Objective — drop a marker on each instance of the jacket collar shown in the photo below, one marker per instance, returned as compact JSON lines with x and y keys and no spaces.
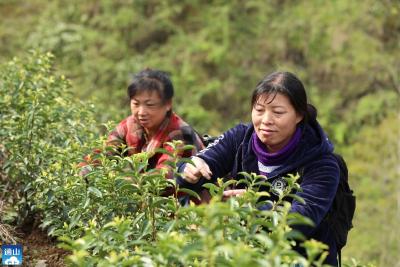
{"x":313,"y":144}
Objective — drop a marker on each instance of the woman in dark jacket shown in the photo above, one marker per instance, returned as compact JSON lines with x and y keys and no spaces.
{"x":284,"y":137}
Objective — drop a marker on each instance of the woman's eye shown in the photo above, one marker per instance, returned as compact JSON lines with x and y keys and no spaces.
{"x":151,"y":106}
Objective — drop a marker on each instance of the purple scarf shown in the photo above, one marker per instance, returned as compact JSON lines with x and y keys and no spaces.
{"x":277,"y":158}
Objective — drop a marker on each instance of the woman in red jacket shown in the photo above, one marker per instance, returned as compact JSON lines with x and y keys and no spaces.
{"x":153,"y":123}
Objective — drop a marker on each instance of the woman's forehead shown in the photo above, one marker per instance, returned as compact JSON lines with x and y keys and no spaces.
{"x":147,"y":95}
{"x":272,"y":98}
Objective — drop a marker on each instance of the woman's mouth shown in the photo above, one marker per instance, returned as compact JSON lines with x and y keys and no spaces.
{"x":267,"y":131}
{"x":143,"y":121}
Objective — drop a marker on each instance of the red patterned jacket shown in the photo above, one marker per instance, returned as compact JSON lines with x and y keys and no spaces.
{"x":132,"y":134}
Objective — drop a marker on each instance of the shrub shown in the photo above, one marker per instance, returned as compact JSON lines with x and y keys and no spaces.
{"x":42,"y":131}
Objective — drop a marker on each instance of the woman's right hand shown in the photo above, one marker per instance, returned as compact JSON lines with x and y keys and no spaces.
{"x":193,"y":172}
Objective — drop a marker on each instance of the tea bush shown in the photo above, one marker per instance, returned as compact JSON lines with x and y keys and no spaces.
{"x":231,"y":233}
{"x":42,"y":130}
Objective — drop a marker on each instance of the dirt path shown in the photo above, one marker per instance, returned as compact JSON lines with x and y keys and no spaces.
{"x":39,"y":250}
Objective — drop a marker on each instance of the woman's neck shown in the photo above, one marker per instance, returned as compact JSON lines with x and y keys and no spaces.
{"x":149,"y":133}
{"x":278,"y":157}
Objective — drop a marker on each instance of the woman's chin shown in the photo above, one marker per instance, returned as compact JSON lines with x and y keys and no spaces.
{"x":145,"y":124}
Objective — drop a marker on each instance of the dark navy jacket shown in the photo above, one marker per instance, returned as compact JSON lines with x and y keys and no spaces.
{"x":232,"y":153}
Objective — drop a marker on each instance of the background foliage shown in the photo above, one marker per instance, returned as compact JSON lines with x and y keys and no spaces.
{"x":346,"y":52}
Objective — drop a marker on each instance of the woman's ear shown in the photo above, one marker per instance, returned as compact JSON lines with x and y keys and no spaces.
{"x":168,"y":105}
{"x":299,"y":117}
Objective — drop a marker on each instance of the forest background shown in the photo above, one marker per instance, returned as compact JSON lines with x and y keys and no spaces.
{"x":347,"y":53}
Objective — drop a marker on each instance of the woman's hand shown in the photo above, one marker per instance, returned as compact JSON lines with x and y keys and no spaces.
{"x":193,"y":172}
{"x":233,"y":193}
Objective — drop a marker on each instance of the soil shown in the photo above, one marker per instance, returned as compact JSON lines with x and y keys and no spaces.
{"x":39,"y":250}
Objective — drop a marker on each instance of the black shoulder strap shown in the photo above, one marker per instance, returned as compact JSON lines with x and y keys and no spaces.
{"x":344,"y":172}
{"x":208,"y":139}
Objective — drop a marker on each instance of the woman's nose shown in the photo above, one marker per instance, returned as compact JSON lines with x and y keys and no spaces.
{"x":141,"y":110}
{"x":267,"y":118}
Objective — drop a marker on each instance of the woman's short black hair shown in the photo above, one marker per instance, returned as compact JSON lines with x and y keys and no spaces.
{"x":288,"y":84}
{"x":152,"y":80}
